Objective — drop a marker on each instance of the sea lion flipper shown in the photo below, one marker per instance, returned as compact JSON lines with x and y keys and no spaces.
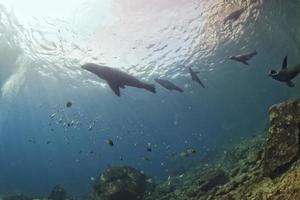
{"x":290,"y":83}
{"x":200,"y":82}
{"x":245,"y":62}
{"x":284,"y":64}
{"x":114,"y":87}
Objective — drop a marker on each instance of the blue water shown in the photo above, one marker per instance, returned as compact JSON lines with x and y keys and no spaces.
{"x":42,"y":46}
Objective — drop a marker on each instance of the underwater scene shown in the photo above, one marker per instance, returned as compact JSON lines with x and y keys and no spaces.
{"x":149,"y":99}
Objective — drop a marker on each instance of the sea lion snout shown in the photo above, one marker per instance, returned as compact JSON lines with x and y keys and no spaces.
{"x":272,"y":72}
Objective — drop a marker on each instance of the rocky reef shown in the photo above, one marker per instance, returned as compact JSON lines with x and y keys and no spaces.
{"x":57,"y":193}
{"x":265,"y":167}
{"x":262,"y":167}
{"x":120,"y":182}
{"x":16,"y":197}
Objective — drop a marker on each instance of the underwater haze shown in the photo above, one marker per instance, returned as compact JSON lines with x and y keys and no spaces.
{"x":58,"y":121}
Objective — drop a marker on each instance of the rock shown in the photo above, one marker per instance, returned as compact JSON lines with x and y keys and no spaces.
{"x":212,"y":179}
{"x":288,"y":187}
{"x":282,"y":145}
{"x":119,"y":183}
{"x":58,"y":193}
{"x":234,"y":171}
{"x":165,"y":188}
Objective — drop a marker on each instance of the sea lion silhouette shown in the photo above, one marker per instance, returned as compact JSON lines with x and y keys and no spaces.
{"x":117,"y":79}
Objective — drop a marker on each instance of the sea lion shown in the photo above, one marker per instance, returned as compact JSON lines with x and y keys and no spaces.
{"x":233,"y":16}
{"x":286,"y":74}
{"x":195,"y":77}
{"x":243,"y":58}
{"x":117,"y":79}
{"x":168,"y":85}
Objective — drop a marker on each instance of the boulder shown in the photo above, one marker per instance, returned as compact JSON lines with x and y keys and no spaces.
{"x":119,"y":183}
{"x":282,"y":144}
{"x":58,"y":193}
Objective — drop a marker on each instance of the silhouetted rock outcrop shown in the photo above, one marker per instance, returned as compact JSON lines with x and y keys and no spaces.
{"x":282,"y":145}
{"x":119,"y":183}
{"x":58,"y":193}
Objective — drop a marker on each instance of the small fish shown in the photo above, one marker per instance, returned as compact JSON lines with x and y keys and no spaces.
{"x":92,"y":179}
{"x":32,"y":141}
{"x":69,"y":104}
{"x":53,"y":115}
{"x":48,"y":142}
{"x":146,"y":158}
{"x":149,"y":180}
{"x":191,"y":151}
{"x":181,"y":176}
{"x":149,"y":149}
{"x":110,"y":142}
{"x":183,"y":154}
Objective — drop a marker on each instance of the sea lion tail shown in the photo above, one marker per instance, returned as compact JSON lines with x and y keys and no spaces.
{"x":290,"y":84}
{"x":179,"y":89}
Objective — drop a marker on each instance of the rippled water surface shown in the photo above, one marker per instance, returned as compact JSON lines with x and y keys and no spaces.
{"x":44,"y":43}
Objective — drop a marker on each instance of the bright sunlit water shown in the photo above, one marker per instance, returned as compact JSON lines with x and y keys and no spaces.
{"x":44,"y":43}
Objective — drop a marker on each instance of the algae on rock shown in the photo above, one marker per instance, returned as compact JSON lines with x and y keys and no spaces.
{"x":282,"y":145}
